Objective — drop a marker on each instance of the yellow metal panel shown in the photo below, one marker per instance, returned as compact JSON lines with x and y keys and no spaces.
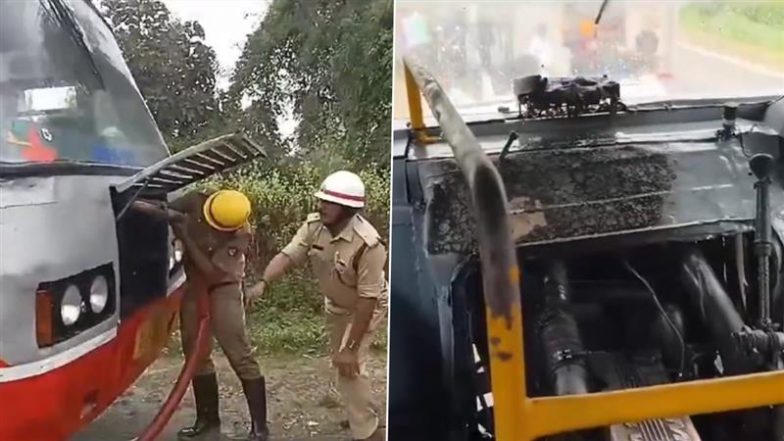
{"x":505,"y":338}
{"x":414,"y":102}
{"x":415,"y":109}
{"x":550,"y":415}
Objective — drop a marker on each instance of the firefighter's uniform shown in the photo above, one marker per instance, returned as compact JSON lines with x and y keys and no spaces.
{"x":348,"y":266}
{"x":225,"y":241}
{"x":227,"y":314}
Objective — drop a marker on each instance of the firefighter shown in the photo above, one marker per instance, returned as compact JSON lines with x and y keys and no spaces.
{"x":347,"y":257}
{"x":215,"y":234}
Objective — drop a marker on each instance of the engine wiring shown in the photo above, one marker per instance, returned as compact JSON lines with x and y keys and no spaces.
{"x":740,"y":140}
{"x":663,"y":313}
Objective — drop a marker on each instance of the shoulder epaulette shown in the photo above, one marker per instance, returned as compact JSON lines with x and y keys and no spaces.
{"x":367,"y":232}
{"x":313,"y":217}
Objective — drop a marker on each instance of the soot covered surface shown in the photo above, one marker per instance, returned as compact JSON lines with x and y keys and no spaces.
{"x":568,"y":193}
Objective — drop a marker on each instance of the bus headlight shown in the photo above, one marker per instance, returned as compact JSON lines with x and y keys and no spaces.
{"x":99,"y":294}
{"x":71,"y":305}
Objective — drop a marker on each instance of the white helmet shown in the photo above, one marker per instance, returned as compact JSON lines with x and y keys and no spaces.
{"x":343,"y":188}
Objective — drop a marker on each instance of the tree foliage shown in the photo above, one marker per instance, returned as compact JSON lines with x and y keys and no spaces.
{"x":329,"y":63}
{"x":173,"y":67}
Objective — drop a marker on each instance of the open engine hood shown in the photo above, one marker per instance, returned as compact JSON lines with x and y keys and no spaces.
{"x":191,"y":165}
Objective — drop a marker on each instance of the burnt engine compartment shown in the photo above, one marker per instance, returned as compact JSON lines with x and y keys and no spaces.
{"x":638,"y":316}
{"x":143,"y":243}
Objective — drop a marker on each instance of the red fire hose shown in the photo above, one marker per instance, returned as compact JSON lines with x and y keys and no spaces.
{"x":186,"y":374}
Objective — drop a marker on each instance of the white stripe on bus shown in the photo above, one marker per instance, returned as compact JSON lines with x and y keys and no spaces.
{"x":39,"y":367}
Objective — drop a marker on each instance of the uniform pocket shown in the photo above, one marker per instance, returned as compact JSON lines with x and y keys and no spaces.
{"x":342,"y":271}
{"x":320,"y":261}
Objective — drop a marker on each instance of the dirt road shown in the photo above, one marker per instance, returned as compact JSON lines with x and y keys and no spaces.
{"x":303,"y":401}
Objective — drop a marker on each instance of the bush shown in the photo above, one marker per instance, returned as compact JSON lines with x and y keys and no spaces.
{"x":754,"y":24}
{"x":766,"y":13}
{"x":274,"y":331}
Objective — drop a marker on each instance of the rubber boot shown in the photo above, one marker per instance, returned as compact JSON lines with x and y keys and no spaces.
{"x":256,"y":395}
{"x":205,"y":393}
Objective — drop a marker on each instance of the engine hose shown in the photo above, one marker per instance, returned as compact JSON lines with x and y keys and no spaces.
{"x":715,"y":308}
{"x":564,"y":350}
{"x":154,"y":429}
{"x":560,"y":337}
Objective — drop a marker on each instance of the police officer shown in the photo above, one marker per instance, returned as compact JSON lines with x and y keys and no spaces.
{"x":347,"y":257}
{"x":216,"y":236}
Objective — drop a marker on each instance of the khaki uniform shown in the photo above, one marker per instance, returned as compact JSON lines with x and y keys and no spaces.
{"x":348,"y":266}
{"x":227,"y":313}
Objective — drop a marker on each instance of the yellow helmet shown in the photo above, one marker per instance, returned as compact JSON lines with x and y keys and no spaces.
{"x":227,"y":210}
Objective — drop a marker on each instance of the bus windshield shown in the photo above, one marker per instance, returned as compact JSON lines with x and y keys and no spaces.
{"x":66,"y":94}
{"x":656,"y":51}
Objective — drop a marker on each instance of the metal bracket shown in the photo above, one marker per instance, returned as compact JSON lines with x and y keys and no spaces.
{"x":513,"y":136}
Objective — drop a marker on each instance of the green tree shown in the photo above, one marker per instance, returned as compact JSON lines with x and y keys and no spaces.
{"x":173,"y":67}
{"x":330,"y":63}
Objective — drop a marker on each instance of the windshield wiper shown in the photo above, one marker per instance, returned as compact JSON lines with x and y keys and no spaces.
{"x":63,"y":167}
{"x":601,"y":11}
{"x":64,"y":17}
